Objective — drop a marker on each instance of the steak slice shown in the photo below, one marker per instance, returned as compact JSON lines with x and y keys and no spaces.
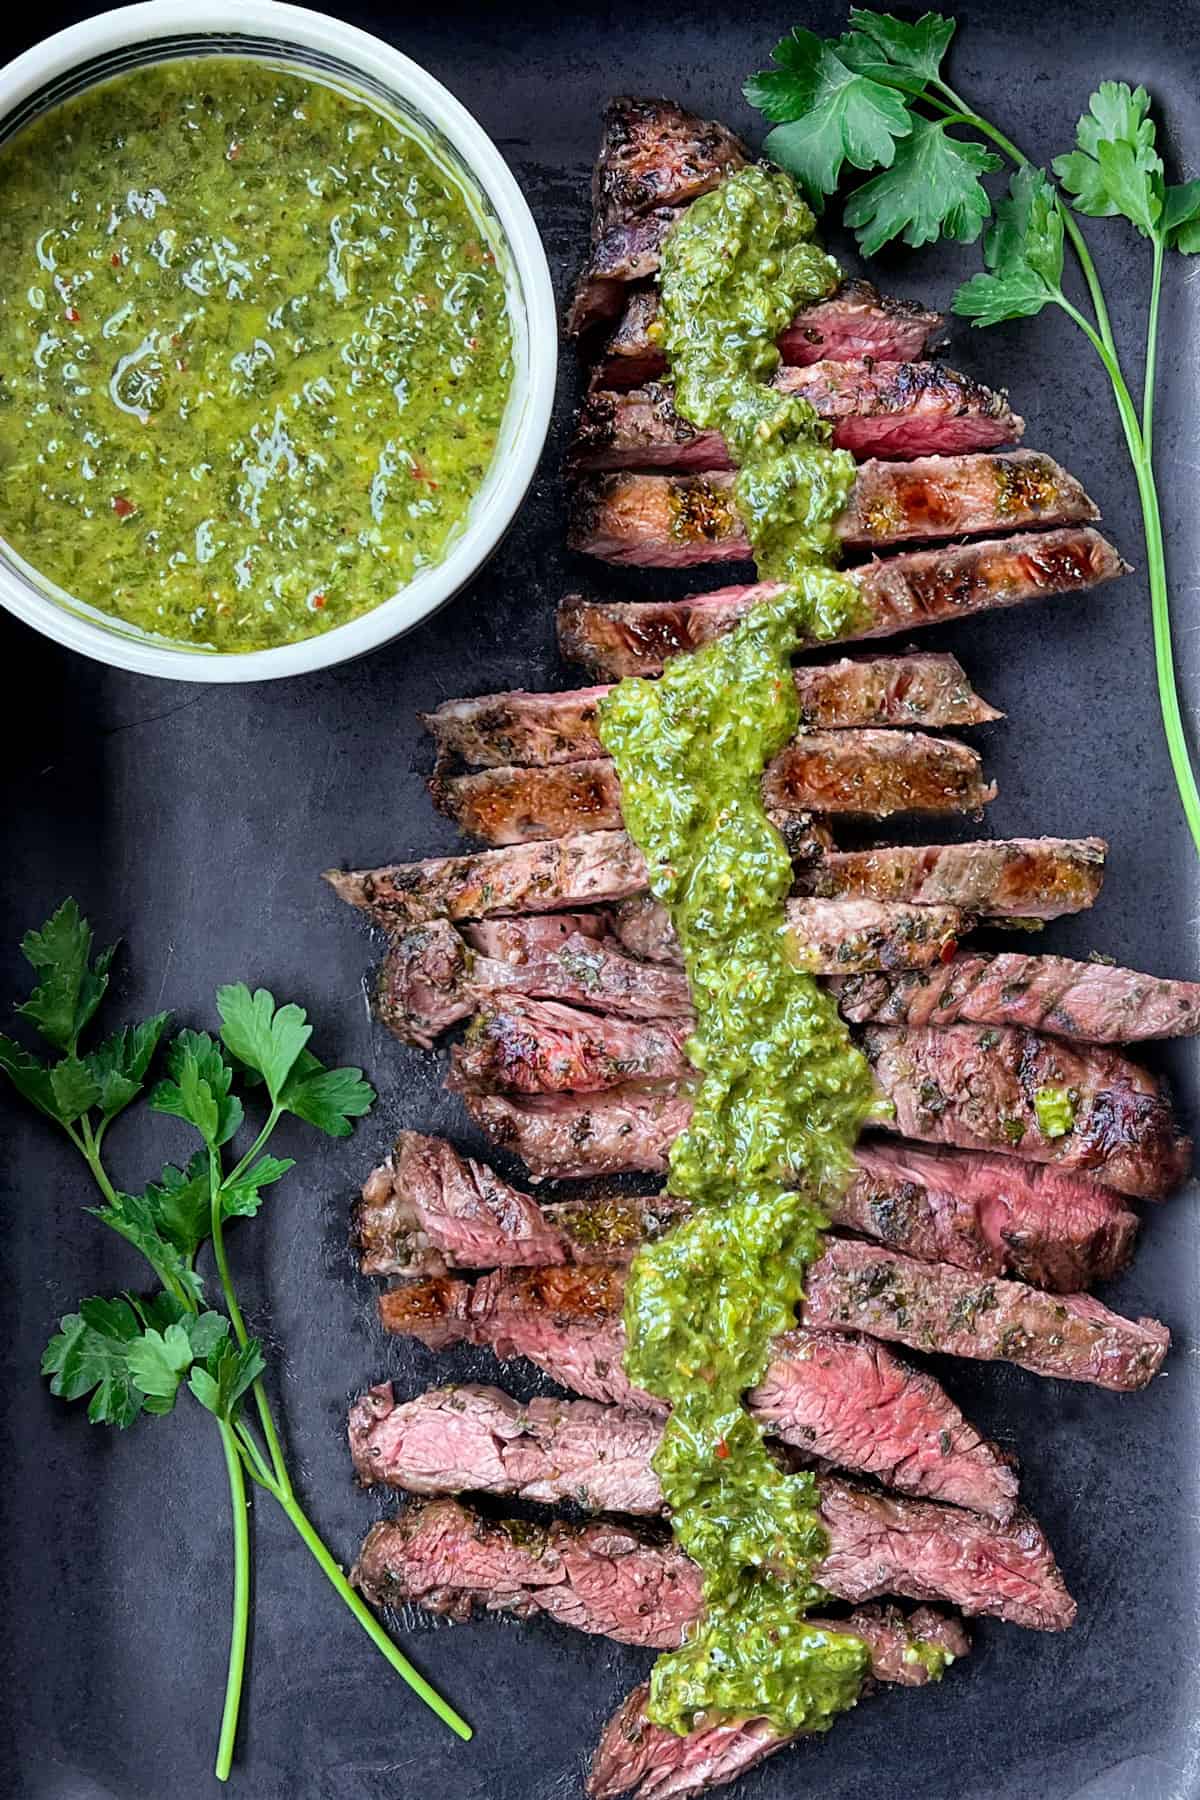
{"x":928,"y":1306}
{"x":977,"y":1087}
{"x":655,"y":153}
{"x":865,"y":772}
{"x":1092,"y":1001}
{"x":878,"y":1544}
{"x":559,"y":1136}
{"x":848,"y":1403}
{"x":654,"y":1763}
{"x":632,"y":1585}
{"x":930,"y":689}
{"x":435,"y":976}
{"x":612,"y":639}
{"x":855,"y":324}
{"x":543,"y":1047}
{"x":680,"y":521}
{"x":1019,"y":878}
{"x":989,"y":1215}
{"x":895,"y":410}
{"x":427,"y":1210}
{"x":625,"y":253}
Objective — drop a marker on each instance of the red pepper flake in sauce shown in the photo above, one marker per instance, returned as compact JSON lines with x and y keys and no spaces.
{"x":123,"y":507}
{"x":722,"y":1449}
{"x":318,"y":602}
{"x":71,"y":316}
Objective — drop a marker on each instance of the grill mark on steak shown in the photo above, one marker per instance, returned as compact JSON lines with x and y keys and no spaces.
{"x":1091,"y":1001}
{"x":434,"y":976}
{"x":544,"y":1047}
{"x":923,"y":689}
{"x":855,"y":324}
{"x":867,"y":772}
{"x":609,"y":1579}
{"x":842,"y":1401}
{"x":1024,"y":878}
{"x":893,"y":410}
{"x":427,"y":1210}
{"x":680,"y":521}
{"x":878,"y":1544}
{"x":927,"y":1306}
{"x":612,"y":639}
{"x":976,"y":1087}
{"x":654,"y":153}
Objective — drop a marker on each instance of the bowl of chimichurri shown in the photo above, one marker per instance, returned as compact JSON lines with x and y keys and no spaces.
{"x":277,"y":341}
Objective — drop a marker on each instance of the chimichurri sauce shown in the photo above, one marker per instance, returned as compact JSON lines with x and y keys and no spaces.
{"x":782,"y":1093}
{"x":254,"y":352}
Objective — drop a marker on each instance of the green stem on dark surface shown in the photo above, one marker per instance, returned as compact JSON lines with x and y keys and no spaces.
{"x":1152,"y":352}
{"x":240,"y":1627}
{"x":266,"y":1418}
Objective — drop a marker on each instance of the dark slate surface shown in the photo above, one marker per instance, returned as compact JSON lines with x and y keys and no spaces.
{"x":193,"y":822}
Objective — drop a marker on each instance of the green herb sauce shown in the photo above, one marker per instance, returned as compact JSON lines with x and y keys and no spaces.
{"x":782,"y":1093}
{"x":254,"y":352}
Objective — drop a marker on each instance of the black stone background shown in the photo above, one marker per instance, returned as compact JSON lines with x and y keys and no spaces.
{"x":193,"y":821}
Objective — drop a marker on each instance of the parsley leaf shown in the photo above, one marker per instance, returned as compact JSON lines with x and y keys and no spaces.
{"x":1023,"y":251}
{"x":1181,"y":217}
{"x":181,"y":1205}
{"x":827,"y":113}
{"x":226,"y":1375}
{"x":242,"y":1198}
{"x":326,"y":1098}
{"x":70,"y":987}
{"x":74,"y":1087}
{"x":157,"y":1363}
{"x":198,"y":1088}
{"x":120,"y":1063}
{"x":30,"y":1077}
{"x":90,"y":1355}
{"x":136,"y":1218}
{"x":932,"y":190}
{"x":900,"y":54}
{"x":266,"y":1040}
{"x":1116,"y":168}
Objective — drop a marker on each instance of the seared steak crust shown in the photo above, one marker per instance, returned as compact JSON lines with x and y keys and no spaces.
{"x":930,"y":689}
{"x":626,"y":252}
{"x":612,"y":639}
{"x":928,"y":1306}
{"x":1020,"y":878}
{"x":654,"y":153}
{"x":894,"y":410}
{"x":855,"y":324}
{"x":543,"y":1047}
{"x":1091,"y":1001}
{"x":866,"y":772}
{"x":560,"y":1136}
{"x":877,"y":1544}
{"x":977,"y":1087}
{"x":679,"y":521}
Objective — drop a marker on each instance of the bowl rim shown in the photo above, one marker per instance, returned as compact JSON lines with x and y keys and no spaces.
{"x":534,"y":386}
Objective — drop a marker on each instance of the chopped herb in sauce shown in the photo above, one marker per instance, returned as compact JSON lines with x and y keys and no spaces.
{"x":1055,"y":1108}
{"x":254,"y":352}
{"x":782,"y":1092}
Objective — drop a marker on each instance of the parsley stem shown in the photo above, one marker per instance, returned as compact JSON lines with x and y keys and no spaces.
{"x":241,"y":1604}
{"x":221,"y":1257}
{"x":370,"y":1623}
{"x":1151,"y":369}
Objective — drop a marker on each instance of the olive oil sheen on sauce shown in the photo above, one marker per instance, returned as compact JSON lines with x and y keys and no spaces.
{"x":254,"y":352}
{"x":781,"y":1091}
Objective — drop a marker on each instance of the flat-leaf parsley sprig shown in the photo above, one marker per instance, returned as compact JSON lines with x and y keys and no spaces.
{"x":131,"y":1354}
{"x":875,"y":99}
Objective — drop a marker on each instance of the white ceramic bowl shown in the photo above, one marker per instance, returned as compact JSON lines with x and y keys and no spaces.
{"x":159,"y":29}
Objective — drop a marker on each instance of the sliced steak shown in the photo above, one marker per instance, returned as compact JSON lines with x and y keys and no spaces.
{"x":625,"y":253}
{"x":929,"y":689}
{"x":559,"y":1136}
{"x":846,"y":1402}
{"x":528,"y":1046}
{"x":878,"y":1544}
{"x":427,"y":1210}
{"x":628,"y":1584}
{"x":1092,"y":1001}
{"x":655,"y":153}
{"x":612,"y":639}
{"x":855,"y":324}
{"x":681,"y":521}
{"x":434,"y":977}
{"x":650,"y":1761}
{"x":581,"y":871}
{"x":1019,"y":878}
{"x":929,"y":1306}
{"x":452,"y":1439}
{"x":894,"y":410}
{"x":990,"y":1215}
{"x":865,"y":772}
{"x":978,"y":1087}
